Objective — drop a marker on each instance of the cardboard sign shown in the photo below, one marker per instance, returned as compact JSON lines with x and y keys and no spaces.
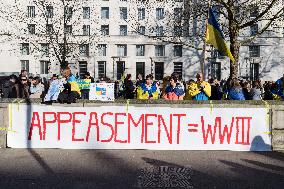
{"x":102,"y":91}
{"x":123,"y":127}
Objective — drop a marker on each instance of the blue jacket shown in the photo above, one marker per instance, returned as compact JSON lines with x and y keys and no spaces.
{"x":279,"y":90}
{"x":236,"y":94}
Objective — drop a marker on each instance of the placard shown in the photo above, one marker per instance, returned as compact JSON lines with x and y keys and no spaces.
{"x":102,"y":91}
{"x":134,"y":127}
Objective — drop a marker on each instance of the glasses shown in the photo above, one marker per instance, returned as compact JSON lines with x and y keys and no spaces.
{"x":24,"y":79}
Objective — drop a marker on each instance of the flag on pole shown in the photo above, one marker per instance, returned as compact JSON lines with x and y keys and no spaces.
{"x":215,"y":36}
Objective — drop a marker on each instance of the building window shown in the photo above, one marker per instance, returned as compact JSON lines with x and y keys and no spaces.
{"x":254,"y":71}
{"x":123,"y":30}
{"x":31,"y":28}
{"x":68,"y":12}
{"x":140,"y":50}
{"x":49,"y":11}
{"x":123,"y":13}
{"x":159,"y":70}
{"x":159,"y":13}
{"x":121,"y":50}
{"x":141,"y":13}
{"x":178,"y":68}
{"x":44,"y":67}
{"x":83,"y":68}
{"x":216,"y":70}
{"x":31,"y":11}
{"x":254,"y":51}
{"x":65,"y":48}
{"x":254,"y":12}
{"x":141,"y":30}
{"x":84,"y":50}
{"x":217,"y":54}
{"x":44,"y":50}
{"x":102,"y":49}
{"x":177,"y":14}
{"x":140,"y":69}
{"x":86,"y":12}
{"x":159,"y":31}
{"x":86,"y":30}
{"x":25,"y":49}
{"x":68,"y":29}
{"x":105,"y":29}
{"x":178,"y":50}
{"x":25,"y":65}
{"x":49,"y":28}
{"x":102,"y":69}
{"x":105,"y":12}
{"x":177,"y":31}
{"x":159,"y":50}
{"x":253,"y":29}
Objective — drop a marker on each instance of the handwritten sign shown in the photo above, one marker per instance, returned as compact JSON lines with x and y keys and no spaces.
{"x":118,"y":127}
{"x":102,"y":91}
{"x":84,"y":83}
{"x":55,"y":88}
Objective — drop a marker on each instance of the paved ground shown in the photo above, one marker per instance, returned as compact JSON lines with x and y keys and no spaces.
{"x":139,"y":169}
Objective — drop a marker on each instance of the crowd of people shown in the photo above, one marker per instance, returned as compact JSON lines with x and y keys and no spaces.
{"x":171,"y":88}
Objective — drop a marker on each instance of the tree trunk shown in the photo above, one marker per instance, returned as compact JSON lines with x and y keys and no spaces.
{"x":234,"y":66}
{"x":234,"y":48}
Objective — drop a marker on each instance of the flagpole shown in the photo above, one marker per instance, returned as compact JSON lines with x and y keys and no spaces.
{"x":204,"y":45}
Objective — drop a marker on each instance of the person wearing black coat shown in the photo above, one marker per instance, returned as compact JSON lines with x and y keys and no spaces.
{"x":129,"y":88}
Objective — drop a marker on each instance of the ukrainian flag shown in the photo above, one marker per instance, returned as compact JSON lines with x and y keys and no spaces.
{"x":215,"y":37}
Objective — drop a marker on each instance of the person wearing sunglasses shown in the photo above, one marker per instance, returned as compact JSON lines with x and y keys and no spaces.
{"x":24,"y":87}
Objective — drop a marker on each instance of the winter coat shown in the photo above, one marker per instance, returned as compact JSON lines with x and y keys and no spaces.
{"x":174,"y":93}
{"x":255,"y":94}
{"x":236,"y":93}
{"x":129,"y":89}
{"x":36,"y":90}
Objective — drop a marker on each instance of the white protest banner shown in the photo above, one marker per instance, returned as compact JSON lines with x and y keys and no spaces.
{"x":55,"y":88}
{"x":121,"y":127}
{"x":102,"y":91}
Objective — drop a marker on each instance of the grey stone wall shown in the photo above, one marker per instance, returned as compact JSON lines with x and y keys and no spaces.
{"x":276,"y":109}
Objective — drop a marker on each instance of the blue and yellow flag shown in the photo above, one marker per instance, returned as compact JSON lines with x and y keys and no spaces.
{"x":215,"y":37}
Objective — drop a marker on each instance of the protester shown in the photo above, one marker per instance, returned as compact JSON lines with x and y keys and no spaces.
{"x":174,"y":91}
{"x":246,"y":89}
{"x":36,"y":88}
{"x":148,"y":89}
{"x":165,"y":84}
{"x":216,"y":90}
{"x":129,"y":90}
{"x":88,"y":76}
{"x":236,"y":91}
{"x":71,"y":90}
{"x":255,"y":91}
{"x":139,"y":80}
{"x":278,"y":91}
{"x":24,"y":88}
{"x":199,"y":90}
{"x":24,"y":73}
{"x":85,"y":92}
{"x":13,"y":90}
